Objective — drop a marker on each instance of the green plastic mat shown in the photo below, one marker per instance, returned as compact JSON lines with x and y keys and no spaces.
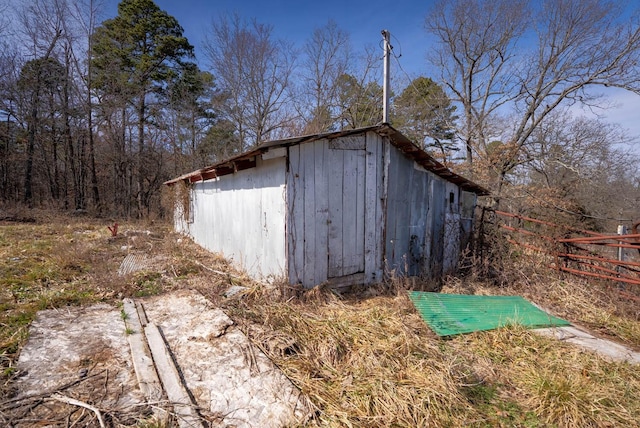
{"x":449,"y":314}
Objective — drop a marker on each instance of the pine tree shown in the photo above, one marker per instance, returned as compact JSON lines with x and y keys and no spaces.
{"x":135,"y":55}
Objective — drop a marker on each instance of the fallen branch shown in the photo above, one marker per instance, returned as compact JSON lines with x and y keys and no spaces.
{"x":217,"y":271}
{"x":79,"y":403}
{"x":16,"y":402}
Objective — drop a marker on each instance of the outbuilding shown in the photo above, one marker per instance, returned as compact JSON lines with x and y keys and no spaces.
{"x":341,"y":208}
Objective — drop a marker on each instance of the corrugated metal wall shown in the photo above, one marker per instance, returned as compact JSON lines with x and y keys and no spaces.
{"x":242,"y":216}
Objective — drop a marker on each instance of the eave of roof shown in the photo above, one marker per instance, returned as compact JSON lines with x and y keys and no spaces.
{"x":405,"y":145}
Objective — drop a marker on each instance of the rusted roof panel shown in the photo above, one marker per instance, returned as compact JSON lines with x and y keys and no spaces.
{"x":422,"y":158}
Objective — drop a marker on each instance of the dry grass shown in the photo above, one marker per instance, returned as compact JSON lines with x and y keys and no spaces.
{"x":373,"y":362}
{"x":363,"y":360}
{"x":363,"y":363}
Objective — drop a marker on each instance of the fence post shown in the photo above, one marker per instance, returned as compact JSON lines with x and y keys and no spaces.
{"x":622,"y":230}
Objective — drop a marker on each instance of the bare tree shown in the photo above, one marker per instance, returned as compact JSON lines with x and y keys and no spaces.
{"x":360,"y":94}
{"x":580,"y":44}
{"x":477,"y":41}
{"x":327,"y":57}
{"x":42,"y":27}
{"x":572,"y":165}
{"x":85,"y":14}
{"x":254,"y":70}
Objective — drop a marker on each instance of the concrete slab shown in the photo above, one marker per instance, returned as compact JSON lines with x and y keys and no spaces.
{"x":607,"y":348}
{"x":81,"y":346}
{"x":226,"y":374}
{"x":232,"y":382}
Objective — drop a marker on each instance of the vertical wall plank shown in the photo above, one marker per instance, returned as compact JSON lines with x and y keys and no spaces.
{"x":391,"y":208}
{"x":385,"y":152}
{"x":295,"y":206}
{"x":437,"y":227}
{"x":307,"y":153}
{"x":428,"y":200}
{"x":452,"y":226}
{"x":349,"y":210}
{"x":321,"y":211}
{"x":360,"y":158}
{"x":336,"y":174}
{"x":371,"y":225}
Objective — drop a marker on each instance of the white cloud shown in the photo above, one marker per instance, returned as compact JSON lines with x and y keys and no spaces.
{"x":623,"y":109}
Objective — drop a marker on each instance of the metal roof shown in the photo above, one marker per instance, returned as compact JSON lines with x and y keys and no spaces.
{"x":247,"y":159}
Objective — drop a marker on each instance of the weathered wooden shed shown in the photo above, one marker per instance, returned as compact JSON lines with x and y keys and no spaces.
{"x":342,"y":207}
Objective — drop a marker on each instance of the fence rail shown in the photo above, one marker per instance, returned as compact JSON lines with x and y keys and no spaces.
{"x":578,"y":251}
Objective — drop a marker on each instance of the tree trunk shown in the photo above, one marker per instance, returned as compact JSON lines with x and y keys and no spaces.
{"x":95,"y":194}
{"x":140,"y":190}
{"x":78,"y":194}
{"x":31,"y":142}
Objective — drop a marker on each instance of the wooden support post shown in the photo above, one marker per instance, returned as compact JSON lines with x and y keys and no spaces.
{"x":622,"y":230}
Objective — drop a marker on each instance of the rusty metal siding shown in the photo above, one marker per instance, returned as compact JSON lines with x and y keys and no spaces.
{"x":242,"y":216}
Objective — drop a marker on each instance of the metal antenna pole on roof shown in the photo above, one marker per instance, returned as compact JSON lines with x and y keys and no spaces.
{"x":385,"y":86}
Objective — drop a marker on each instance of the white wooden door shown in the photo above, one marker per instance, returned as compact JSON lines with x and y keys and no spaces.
{"x":346,"y":158}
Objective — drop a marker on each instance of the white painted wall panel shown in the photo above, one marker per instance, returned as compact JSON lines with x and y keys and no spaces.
{"x":321,"y":210}
{"x":242,"y":216}
{"x":295,"y":217}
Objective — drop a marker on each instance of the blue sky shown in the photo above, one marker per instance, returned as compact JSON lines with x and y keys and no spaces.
{"x":296,"y":20}
{"x":363,"y":20}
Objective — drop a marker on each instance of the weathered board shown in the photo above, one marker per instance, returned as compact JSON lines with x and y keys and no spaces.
{"x":422,"y":220}
{"x":452,"y":228}
{"x":334,"y":210}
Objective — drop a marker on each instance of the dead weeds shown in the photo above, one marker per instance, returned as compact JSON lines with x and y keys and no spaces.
{"x":363,"y":360}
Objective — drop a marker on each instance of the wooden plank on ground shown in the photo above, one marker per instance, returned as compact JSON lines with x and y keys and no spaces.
{"x":179,"y":398}
{"x":148,"y":380}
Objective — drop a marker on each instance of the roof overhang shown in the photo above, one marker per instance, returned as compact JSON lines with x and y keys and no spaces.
{"x":248,"y":159}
